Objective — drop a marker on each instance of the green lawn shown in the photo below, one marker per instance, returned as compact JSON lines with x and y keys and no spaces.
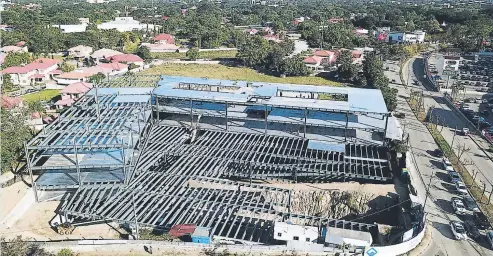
{"x":231,"y":73}
{"x":205,"y":55}
{"x":46,"y":95}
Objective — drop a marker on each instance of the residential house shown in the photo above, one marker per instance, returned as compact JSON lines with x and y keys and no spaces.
{"x":298,"y":20}
{"x":80,"y":51}
{"x":13,"y":49}
{"x":37,"y":71}
{"x":336,"y":20}
{"x":76,"y":90}
{"x":320,"y":60}
{"x":164,"y":39}
{"x":163,"y":48}
{"x":35,"y":121}
{"x":102,"y":54}
{"x":112,"y":68}
{"x":68,"y":78}
{"x":127,"y":58}
{"x":82,"y":75}
{"x":126,"y":24}
{"x":66,"y":101}
{"x":274,"y":38}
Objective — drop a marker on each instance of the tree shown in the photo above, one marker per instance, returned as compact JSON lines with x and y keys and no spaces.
{"x":97,"y":78}
{"x":144,"y":53}
{"x":65,"y":252}
{"x":67,"y":67}
{"x":294,"y":66}
{"x":193,"y":54}
{"x":13,"y":134}
{"x":347,"y":70}
{"x":254,"y":52}
{"x":35,"y":106}
{"x":19,"y":247}
{"x":16,"y":59}
{"x":7,"y":84}
{"x":133,"y":66}
{"x":462,"y":149}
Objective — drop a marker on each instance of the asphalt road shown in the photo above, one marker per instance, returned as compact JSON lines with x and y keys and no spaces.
{"x":475,"y":159}
{"x":441,"y":191}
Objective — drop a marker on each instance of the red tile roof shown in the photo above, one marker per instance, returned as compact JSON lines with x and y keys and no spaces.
{"x":125,"y":58}
{"x":313,"y":59}
{"x":324,"y":53}
{"x":163,"y":36}
{"x":113,"y":66}
{"x":20,"y":44}
{"x":77,"y":88}
{"x":65,"y":102}
{"x":182,"y":229}
{"x":35,"y":115}
{"x":38,"y":64}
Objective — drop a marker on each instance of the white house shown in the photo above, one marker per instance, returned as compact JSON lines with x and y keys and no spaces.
{"x":162,"y":48}
{"x":404,"y":37}
{"x":37,"y":71}
{"x":80,"y":51}
{"x":101,"y":54}
{"x":124,"y":24}
{"x":71,"y":28}
{"x":289,"y":232}
{"x":13,"y":49}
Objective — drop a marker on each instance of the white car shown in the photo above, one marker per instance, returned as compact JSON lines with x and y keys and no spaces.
{"x":458,"y":230}
{"x":446,"y":162}
{"x":458,"y":206}
{"x":465,"y":131}
{"x":461,"y":187}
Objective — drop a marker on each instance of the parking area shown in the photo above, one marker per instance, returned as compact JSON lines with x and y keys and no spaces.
{"x":476,"y":74}
{"x":479,"y":110}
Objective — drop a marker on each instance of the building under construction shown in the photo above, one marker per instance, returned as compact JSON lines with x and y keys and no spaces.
{"x":191,"y":151}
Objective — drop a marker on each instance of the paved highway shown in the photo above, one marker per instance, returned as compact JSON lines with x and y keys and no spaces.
{"x":441,"y":191}
{"x":475,"y":159}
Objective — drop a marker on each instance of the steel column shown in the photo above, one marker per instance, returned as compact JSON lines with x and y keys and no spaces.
{"x":226,"y":116}
{"x":304,"y":123}
{"x":266,"y":113}
{"x":191,"y":113}
{"x":386,"y":126}
{"x":347,"y":124}
{"x":33,"y":184}
{"x":77,"y":164}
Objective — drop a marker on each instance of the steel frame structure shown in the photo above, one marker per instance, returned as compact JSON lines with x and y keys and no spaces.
{"x":91,"y":126}
{"x":185,"y":174}
{"x":178,"y":181}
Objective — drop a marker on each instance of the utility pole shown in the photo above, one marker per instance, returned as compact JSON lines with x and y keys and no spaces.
{"x":428,"y":187}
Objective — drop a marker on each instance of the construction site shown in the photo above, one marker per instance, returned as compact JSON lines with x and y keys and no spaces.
{"x":237,"y":158}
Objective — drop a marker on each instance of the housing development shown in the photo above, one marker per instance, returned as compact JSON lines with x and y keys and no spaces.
{"x":246,"y":128}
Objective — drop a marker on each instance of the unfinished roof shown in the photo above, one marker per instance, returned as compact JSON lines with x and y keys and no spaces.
{"x":358,"y":100}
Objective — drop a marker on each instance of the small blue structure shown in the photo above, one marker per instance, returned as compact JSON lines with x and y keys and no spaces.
{"x":202,"y":235}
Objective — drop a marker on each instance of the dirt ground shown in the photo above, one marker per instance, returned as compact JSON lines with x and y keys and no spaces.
{"x":10,"y":196}
{"x":375,"y":189}
{"x":35,"y":224}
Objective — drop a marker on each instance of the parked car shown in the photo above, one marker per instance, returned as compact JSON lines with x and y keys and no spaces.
{"x":458,"y":230}
{"x":446,"y":162}
{"x":458,"y":206}
{"x":481,"y":220}
{"x":438,"y":153}
{"x":465,"y":131}
{"x":461,"y":187}
{"x":472,"y":230}
{"x":470,"y":203}
{"x":485,"y":112}
{"x":454,"y":176}
{"x":489,"y":239}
